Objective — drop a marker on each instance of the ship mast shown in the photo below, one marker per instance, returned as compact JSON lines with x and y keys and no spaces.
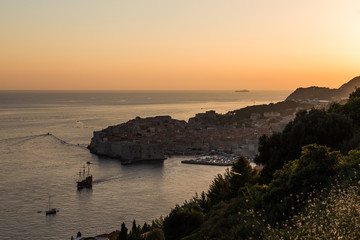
{"x":88,"y":172}
{"x":49,"y":202}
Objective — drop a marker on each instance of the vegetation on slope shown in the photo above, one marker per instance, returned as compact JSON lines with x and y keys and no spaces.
{"x":323,"y":93}
{"x":308,"y":188}
{"x":306,"y":167}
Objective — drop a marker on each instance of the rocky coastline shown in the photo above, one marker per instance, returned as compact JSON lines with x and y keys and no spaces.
{"x":154,"y":138}
{"x":235,"y":132}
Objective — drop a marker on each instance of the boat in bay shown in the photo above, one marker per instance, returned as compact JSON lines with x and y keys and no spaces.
{"x":50,"y":210}
{"x":85,"y":178}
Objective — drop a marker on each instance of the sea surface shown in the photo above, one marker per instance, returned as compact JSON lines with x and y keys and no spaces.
{"x":35,"y":165}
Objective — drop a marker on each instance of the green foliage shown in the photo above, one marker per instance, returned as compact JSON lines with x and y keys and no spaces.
{"x":155,"y":234}
{"x":123,"y":232}
{"x":316,"y":126}
{"x":278,"y":210}
{"x":135,"y":232}
{"x":201,"y":203}
{"x":181,"y":222}
{"x":157,"y":223}
{"x":224,"y":187}
{"x":272,"y":156}
{"x":355,"y":94}
{"x":145,"y":228}
{"x":352,"y":109}
{"x":241,"y":174}
{"x":299,"y":164}
{"x":267,"y":211}
{"x":332,"y":214}
{"x":296,"y":179}
{"x":219,"y":189}
{"x":307,"y":190}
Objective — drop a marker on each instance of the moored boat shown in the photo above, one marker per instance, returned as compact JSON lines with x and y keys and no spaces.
{"x":50,"y":210}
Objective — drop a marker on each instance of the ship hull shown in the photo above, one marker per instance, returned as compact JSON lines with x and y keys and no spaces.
{"x":86,"y":183}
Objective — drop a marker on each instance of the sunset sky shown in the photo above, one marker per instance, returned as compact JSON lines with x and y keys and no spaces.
{"x":178,"y":44}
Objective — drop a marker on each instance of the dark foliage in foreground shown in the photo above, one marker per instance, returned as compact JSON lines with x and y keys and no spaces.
{"x":337,"y":128}
{"x":301,"y":164}
{"x":310,"y":174}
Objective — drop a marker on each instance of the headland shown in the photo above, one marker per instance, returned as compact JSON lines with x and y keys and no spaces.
{"x":235,"y":132}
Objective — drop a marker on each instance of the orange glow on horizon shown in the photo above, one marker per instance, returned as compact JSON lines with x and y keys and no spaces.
{"x":190,"y":46}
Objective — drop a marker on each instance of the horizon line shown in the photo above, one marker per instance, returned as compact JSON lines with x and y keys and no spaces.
{"x":142,"y":90}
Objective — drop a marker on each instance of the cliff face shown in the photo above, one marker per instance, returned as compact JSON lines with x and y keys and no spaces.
{"x":322,"y":93}
{"x":132,"y":141}
{"x":127,"y":152}
{"x":152,"y":138}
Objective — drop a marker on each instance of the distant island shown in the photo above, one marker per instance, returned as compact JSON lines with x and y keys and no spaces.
{"x":243,"y":90}
{"x":235,"y":132}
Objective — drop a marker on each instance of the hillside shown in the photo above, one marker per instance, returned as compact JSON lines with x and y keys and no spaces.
{"x":349,"y":87}
{"x":307,"y":190}
{"x":323,"y":93}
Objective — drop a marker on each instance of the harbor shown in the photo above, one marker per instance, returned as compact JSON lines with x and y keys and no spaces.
{"x":215,"y":160}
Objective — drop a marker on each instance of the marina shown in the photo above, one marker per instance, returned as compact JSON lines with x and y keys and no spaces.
{"x":215,"y":160}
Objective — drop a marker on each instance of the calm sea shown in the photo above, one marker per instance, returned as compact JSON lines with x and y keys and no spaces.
{"x":34,"y":165}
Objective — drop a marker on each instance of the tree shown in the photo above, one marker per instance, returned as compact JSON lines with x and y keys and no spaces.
{"x":158,"y":223}
{"x":241,"y":174}
{"x":123,"y":232}
{"x":201,"y":201}
{"x":219,"y":189}
{"x":181,"y":222}
{"x":145,"y":228}
{"x":135,"y":231}
{"x":155,"y":234}
{"x":355,"y":94}
{"x":291,"y":184}
{"x":331,"y":129}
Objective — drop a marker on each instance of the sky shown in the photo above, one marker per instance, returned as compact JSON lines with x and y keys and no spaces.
{"x":178,"y":44}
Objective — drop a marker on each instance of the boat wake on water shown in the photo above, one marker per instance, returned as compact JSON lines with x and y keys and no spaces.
{"x":25,"y":138}
{"x":97,"y":181}
{"x":31,"y":137}
{"x":64,"y":142}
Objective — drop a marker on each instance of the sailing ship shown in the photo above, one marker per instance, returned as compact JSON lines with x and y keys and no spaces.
{"x":50,"y":210}
{"x":85,"y":179}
